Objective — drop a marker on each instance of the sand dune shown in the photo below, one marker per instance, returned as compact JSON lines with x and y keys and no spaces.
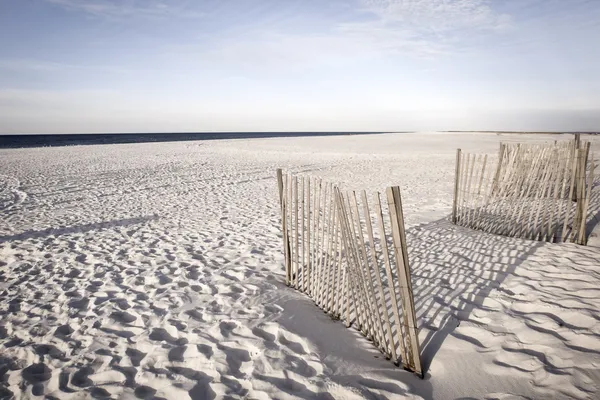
{"x":155,"y":270}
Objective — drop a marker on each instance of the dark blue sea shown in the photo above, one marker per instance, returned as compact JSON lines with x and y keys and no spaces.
{"x":43,"y":140}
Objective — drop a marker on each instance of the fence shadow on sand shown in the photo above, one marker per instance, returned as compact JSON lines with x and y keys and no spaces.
{"x":454,"y":269}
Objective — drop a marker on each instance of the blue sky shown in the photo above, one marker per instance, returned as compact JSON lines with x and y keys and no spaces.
{"x":248,"y":65}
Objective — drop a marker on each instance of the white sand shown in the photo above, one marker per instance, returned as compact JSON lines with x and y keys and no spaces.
{"x":156,"y":269}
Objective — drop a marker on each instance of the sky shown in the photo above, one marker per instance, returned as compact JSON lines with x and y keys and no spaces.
{"x":85,"y":66}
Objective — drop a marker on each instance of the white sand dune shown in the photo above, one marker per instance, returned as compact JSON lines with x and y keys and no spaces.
{"x":155,"y":270}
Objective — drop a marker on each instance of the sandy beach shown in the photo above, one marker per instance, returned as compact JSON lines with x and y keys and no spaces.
{"x":155,"y":270}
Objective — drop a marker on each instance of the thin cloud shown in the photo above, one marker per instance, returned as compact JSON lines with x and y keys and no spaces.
{"x":439,"y":15}
{"x":120,"y":9}
{"x":393,"y":40}
{"x":385,"y":28}
{"x":51,"y":66}
{"x":346,"y":45}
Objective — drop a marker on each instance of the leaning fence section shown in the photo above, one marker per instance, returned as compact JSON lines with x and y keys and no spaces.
{"x":538,"y":192}
{"x":348,"y":253}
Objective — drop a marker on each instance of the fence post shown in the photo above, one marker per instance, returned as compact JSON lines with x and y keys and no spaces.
{"x":583,"y":232}
{"x":403,"y":270}
{"x":390,"y":279}
{"x":577,"y":144}
{"x":575,"y":153}
{"x":456,"y":182}
{"x":582,"y":204}
{"x":282,"y":204}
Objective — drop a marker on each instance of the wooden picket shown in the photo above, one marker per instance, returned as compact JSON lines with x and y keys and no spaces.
{"x":538,"y":191}
{"x":355,"y":273}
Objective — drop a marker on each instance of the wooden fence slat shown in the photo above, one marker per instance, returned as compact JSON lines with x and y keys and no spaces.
{"x":347,"y":284}
{"x":478,"y":198}
{"x":333,"y":293}
{"x":483,"y":209}
{"x":352,"y":307}
{"x":321,"y":223}
{"x":470,"y":198}
{"x":327,"y":263}
{"x":464,"y":194}
{"x":582,"y":233}
{"x":359,"y":305}
{"x":378,"y":328}
{"x":282,"y":204}
{"x":389,"y":346}
{"x":539,"y":196}
{"x":403,"y":270}
{"x":581,"y":203}
{"x":501,"y":154}
{"x":580,"y":189}
{"x":390,"y":279}
{"x":302,"y":237}
{"x":511,"y":190}
{"x":337,"y":289}
{"x":564,"y":235}
{"x":527,"y":195}
{"x":327,"y":247}
{"x":290,"y":228}
{"x":331,"y":248}
{"x":517,"y":196}
{"x":294,"y":203}
{"x":327,"y":257}
{"x":363,"y":262}
{"x":558,"y":174}
{"x":317,"y":218}
{"x":456,"y":185}
{"x":562,"y":195}
{"x":366,"y":306}
{"x":322,"y":249}
{"x":306,"y":283}
{"x":577,"y":145}
{"x":548,"y":198}
{"x":524,"y":195}
{"x":323,"y":252}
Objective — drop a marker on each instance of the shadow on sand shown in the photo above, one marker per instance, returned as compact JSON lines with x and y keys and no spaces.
{"x":454,"y":269}
{"x":78,"y":228}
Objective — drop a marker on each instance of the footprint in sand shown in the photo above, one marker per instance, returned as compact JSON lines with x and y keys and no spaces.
{"x":81,"y":377}
{"x":36,"y":373}
{"x":197,"y":315}
{"x":144,"y":392}
{"x":124,"y":317}
{"x":267,"y":331}
{"x":293,"y":342}
{"x":182,"y":327}
{"x":301,"y":366}
{"x":135,"y":356}
{"x":239,"y":357}
{"x":177,"y":354}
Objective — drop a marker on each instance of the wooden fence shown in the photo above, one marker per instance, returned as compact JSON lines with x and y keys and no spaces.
{"x":351,"y":259}
{"x":538,"y":192}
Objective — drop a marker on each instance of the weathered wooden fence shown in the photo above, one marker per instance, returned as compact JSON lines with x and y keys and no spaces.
{"x":538,"y":192}
{"x":351,"y":259}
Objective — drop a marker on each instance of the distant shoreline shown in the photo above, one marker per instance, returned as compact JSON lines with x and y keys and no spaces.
{"x":11,"y":141}
{"x":529,"y":133}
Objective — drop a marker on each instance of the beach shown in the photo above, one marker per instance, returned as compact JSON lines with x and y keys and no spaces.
{"x":156,"y":270}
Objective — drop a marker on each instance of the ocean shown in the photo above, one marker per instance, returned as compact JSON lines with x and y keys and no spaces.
{"x":44,"y":140}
